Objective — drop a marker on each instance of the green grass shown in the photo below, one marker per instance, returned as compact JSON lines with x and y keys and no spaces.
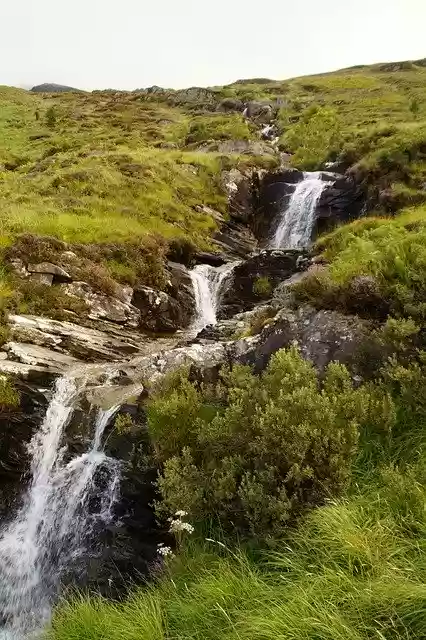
{"x":355,"y":569}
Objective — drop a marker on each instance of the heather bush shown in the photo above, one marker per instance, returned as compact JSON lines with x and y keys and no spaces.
{"x":254,"y":452}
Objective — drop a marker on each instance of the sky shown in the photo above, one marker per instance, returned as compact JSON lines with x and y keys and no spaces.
{"x":128,"y":44}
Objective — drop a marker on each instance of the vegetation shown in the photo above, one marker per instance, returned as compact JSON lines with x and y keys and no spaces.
{"x":353,"y":568}
{"x":9,"y":397}
{"x":310,"y":489}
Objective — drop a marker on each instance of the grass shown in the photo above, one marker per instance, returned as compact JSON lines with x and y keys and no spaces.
{"x":355,"y":569}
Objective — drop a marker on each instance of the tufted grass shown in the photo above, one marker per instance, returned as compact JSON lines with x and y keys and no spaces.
{"x":355,"y":569}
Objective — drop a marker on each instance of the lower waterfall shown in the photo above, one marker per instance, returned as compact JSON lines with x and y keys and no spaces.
{"x":209,"y":285}
{"x":54,"y":523}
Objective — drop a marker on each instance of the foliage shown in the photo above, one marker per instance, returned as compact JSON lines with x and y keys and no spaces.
{"x":218,"y":127}
{"x":262,"y":286}
{"x":354,"y":569}
{"x":9,"y":397}
{"x":257,"y":452}
{"x":314,"y":138}
{"x":391,"y":251}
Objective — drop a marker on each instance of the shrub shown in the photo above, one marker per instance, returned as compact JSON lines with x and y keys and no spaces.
{"x":262,"y":287}
{"x":253,"y":452}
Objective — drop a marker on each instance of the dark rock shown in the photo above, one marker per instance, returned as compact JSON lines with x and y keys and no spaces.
{"x":51,"y":87}
{"x":235,"y":240}
{"x":272,"y":194}
{"x":323,"y":337}
{"x":181,"y":290}
{"x":158,"y":311}
{"x":255,"y":279}
{"x":260,"y":112}
{"x":213,"y":259}
{"x":341,"y":201}
{"x":230,"y":104}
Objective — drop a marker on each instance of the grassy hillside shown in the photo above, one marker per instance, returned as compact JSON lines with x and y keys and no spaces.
{"x":328,"y":520}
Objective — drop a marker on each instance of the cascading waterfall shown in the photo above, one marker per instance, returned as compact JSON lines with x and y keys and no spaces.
{"x":209,"y":285}
{"x":295,"y":227}
{"x":53,"y":525}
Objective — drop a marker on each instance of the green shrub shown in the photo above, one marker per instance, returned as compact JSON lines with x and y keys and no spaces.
{"x":255,"y":452}
{"x":262,"y":287}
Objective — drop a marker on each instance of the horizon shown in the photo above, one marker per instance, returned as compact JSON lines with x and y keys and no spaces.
{"x":212,"y":86}
{"x":100,"y":45}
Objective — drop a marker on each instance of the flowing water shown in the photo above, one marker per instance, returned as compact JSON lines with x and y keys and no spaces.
{"x":52,"y":527}
{"x":297,"y":221}
{"x":209,"y":286}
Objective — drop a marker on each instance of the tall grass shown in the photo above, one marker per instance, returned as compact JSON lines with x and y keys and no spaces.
{"x":355,"y":569}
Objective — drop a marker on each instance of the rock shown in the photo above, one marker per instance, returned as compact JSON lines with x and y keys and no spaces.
{"x":80,"y":342}
{"x":261,"y":112}
{"x":158,"y":311}
{"x":238,"y":147}
{"x":273,"y":193}
{"x":364,"y":297}
{"x":47,"y":268}
{"x":342,"y":201}
{"x":255,"y":279}
{"x":38,"y":356}
{"x":235,"y":241}
{"x":230,"y":104}
{"x":42,"y":278}
{"x":238,"y":186}
{"x":103,"y":307}
{"x":323,"y":337}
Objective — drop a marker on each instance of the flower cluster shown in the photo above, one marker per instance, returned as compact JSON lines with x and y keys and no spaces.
{"x":179,"y":525}
{"x":164,"y":551}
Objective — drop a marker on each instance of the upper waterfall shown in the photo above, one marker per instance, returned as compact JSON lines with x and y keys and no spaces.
{"x":54,"y":522}
{"x":297,"y":220}
{"x":209,"y":283}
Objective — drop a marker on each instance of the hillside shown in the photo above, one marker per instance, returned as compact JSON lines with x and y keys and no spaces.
{"x":259,"y":402}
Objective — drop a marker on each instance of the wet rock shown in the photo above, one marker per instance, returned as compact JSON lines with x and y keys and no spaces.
{"x":181,"y":289}
{"x":255,"y":279}
{"x":158,"y":311}
{"x":341,"y":201}
{"x":38,"y":356}
{"x":235,"y":241}
{"x":103,"y":307}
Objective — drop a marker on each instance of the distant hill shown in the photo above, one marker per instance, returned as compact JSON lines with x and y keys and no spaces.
{"x":50,"y":87}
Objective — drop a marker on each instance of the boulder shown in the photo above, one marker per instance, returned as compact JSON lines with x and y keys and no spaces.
{"x":235,"y":241}
{"x":158,"y":311}
{"x":103,"y":307}
{"x":255,"y":279}
{"x":260,"y":112}
{"x":181,"y":289}
{"x":230,"y":104}
{"x":56,"y":273}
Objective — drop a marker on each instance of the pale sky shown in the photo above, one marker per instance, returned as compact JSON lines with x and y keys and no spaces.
{"x":128,"y":44}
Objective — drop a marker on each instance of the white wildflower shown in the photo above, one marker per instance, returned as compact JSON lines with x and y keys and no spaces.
{"x":181,"y":514}
{"x":165,"y":551}
{"x":179,"y":525}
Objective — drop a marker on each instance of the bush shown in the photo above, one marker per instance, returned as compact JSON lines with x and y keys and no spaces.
{"x":253,"y":453}
{"x":262,"y":287}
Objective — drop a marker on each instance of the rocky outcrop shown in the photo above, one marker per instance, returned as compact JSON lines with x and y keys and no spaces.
{"x":255,"y":279}
{"x":341,"y":201}
{"x":103,"y":307}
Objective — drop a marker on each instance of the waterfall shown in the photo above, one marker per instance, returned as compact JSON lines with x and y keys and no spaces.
{"x":297,"y":220}
{"x":54,"y":523}
{"x":209,"y":285}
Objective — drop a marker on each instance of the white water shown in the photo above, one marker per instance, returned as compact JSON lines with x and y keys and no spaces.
{"x":295,"y":227}
{"x":209,"y":286}
{"x":54,"y":523}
